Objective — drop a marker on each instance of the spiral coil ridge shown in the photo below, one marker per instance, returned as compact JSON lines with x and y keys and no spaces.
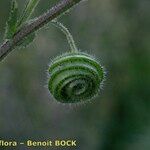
{"x":75,"y":77}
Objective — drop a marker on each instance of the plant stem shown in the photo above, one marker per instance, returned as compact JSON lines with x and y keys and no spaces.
{"x":27,"y":12}
{"x":36,"y":24}
{"x":67,"y":33}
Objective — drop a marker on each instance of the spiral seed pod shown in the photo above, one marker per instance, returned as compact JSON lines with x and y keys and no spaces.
{"x":75,"y":77}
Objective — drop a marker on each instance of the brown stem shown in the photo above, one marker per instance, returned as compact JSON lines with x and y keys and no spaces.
{"x":51,"y":14}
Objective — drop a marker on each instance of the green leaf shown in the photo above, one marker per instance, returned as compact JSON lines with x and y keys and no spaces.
{"x":11,"y":25}
{"x":27,"y":40}
{"x":29,"y":9}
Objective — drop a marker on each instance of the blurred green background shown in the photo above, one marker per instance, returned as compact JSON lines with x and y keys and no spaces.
{"x":117,"y":32}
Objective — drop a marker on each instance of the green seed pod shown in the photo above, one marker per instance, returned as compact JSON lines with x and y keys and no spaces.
{"x":75,"y":77}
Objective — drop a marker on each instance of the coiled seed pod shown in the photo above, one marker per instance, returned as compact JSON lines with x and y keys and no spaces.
{"x":74,"y":76}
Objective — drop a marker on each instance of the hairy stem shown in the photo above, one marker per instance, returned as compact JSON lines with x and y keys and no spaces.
{"x":68,"y":35}
{"x":37,"y":23}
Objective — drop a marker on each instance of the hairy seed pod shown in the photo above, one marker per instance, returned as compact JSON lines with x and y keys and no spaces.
{"x":75,"y":77}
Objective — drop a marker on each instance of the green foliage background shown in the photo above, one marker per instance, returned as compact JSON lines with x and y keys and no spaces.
{"x":117,"y":32}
